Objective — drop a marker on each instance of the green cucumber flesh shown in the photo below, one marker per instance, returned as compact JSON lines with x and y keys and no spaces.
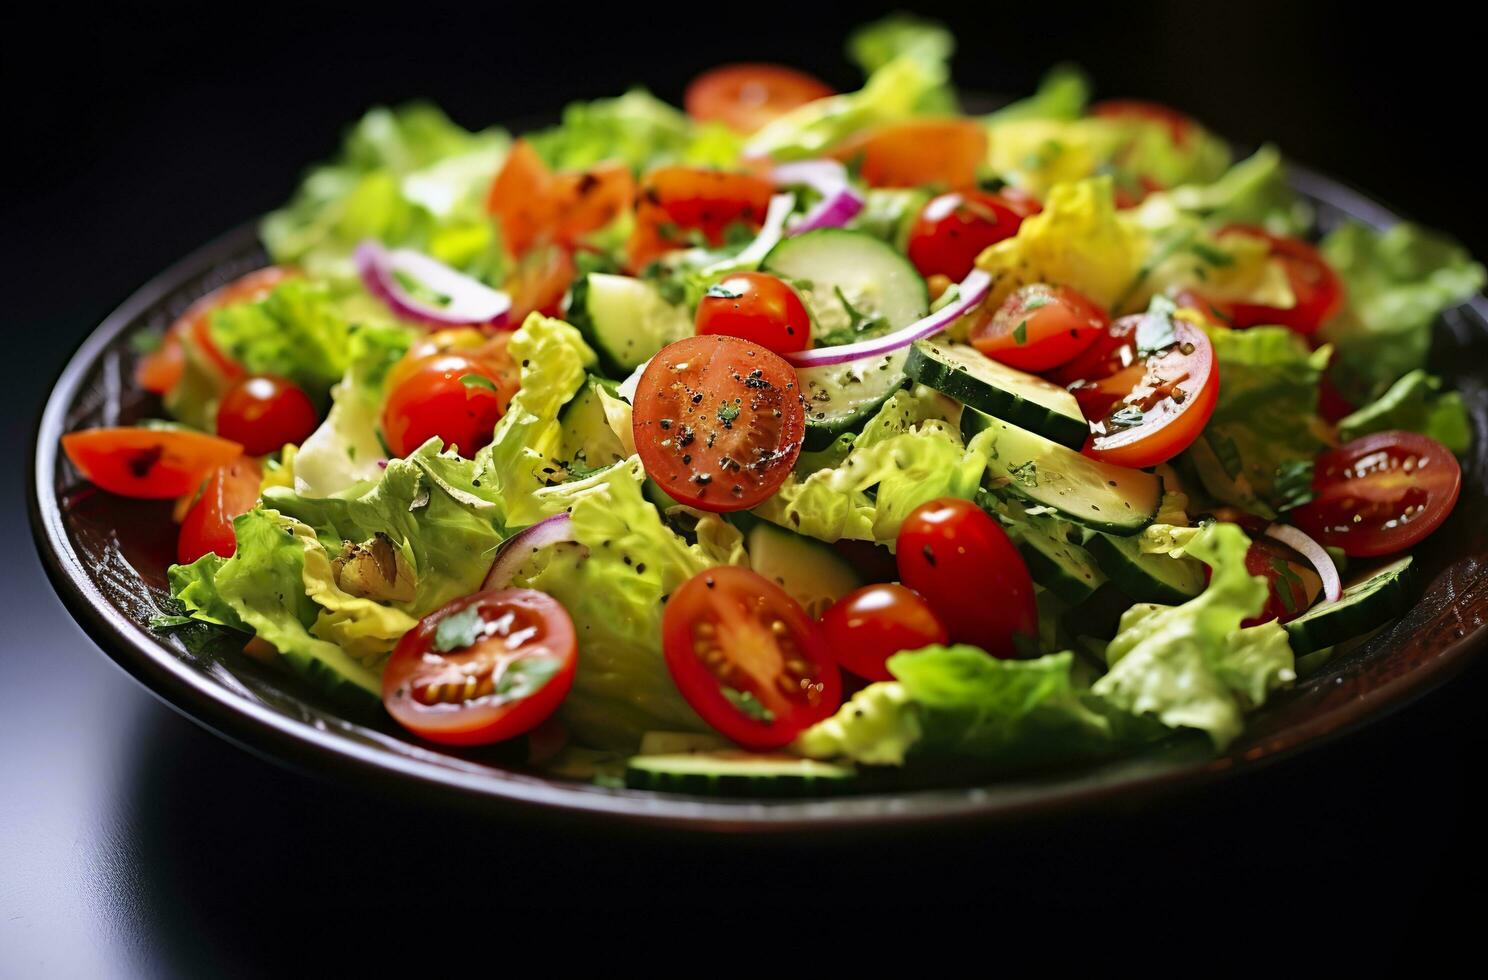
{"x":734,"y":772}
{"x":1365,"y":604}
{"x":830,"y":265}
{"x":810,"y":571}
{"x":977,"y":381}
{"x":625,"y":319}
{"x":1147,"y":578}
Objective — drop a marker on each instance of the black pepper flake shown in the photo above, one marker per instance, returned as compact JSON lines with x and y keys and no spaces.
{"x":929,"y":555}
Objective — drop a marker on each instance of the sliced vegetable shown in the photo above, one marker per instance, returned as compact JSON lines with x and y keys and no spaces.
{"x":154,"y":464}
{"x":1039,"y":327}
{"x":979,"y":382}
{"x":207,"y":527}
{"x":953,"y":229}
{"x":1369,"y":602}
{"x":730,"y":772}
{"x":747,"y":96}
{"x":1314,"y":553}
{"x":840,"y":202}
{"x":518,"y":549}
{"x":424,"y":290}
{"x":1147,"y":577}
{"x":810,"y":571}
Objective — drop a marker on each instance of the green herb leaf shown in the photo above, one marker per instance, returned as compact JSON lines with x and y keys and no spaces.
{"x":168,"y":622}
{"x":1155,"y":333}
{"x":1020,"y":335}
{"x":1025,"y":473}
{"x":748,"y":705}
{"x":1128,"y":417}
{"x":727,"y":412}
{"x":525,"y":676}
{"x":477,"y":381}
{"x":459,"y":630}
{"x":719,"y":291}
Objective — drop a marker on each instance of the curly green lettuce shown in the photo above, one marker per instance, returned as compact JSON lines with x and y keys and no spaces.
{"x":636,"y":128}
{"x":1415,"y":403}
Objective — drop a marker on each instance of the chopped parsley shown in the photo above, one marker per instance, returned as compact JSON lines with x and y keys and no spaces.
{"x":459,"y":630}
{"x":748,"y":705}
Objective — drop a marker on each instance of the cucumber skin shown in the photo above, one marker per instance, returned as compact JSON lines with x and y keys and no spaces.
{"x":821,"y":433}
{"x":1344,"y":622}
{"x":1051,"y":575}
{"x":1140,"y":587}
{"x":926,"y":370}
{"x":735,"y":784}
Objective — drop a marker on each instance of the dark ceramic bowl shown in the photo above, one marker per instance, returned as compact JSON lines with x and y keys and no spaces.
{"x":108,"y":556}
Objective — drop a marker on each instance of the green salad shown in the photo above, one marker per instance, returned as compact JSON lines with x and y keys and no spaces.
{"x":797,"y":438}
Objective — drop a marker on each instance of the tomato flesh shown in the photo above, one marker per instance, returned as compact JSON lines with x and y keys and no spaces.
{"x":264,"y":413}
{"x":1292,"y":584}
{"x":153,"y":464}
{"x":482,"y":669}
{"x":452,"y":396}
{"x":1316,"y":287}
{"x":953,"y":229}
{"x":718,"y":421}
{"x":745,"y":97}
{"x":869,"y":625}
{"x":207,"y":527}
{"x":747,"y":657}
{"x":756,"y":307}
{"x":1040,"y":327}
{"x":676,"y":205}
{"x":1380,"y":494}
{"x":961,"y":560}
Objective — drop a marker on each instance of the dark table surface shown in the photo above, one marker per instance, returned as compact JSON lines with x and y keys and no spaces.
{"x":133,"y":842}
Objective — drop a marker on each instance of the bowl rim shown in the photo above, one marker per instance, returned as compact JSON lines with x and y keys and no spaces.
{"x":299,"y":744}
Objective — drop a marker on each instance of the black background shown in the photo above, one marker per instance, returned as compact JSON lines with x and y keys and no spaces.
{"x":132,"y":842}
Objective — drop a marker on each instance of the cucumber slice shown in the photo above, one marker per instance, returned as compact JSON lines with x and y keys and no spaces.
{"x":1147,"y":578}
{"x":681,"y":743}
{"x":1063,"y":567}
{"x":734,"y":772}
{"x":1367,"y":603}
{"x":1100,"y":496}
{"x":979,"y":382}
{"x":625,"y":320}
{"x":587,"y":441}
{"x":842,"y":397}
{"x":810,"y":571}
{"x":874,"y":278}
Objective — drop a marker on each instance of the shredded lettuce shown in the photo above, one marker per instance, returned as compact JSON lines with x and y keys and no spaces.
{"x":637,"y":128}
{"x":876,"y":45}
{"x":1254,"y":191}
{"x":1415,"y":403}
{"x":296,"y":332}
{"x":1397,"y":282}
{"x":1062,"y":95}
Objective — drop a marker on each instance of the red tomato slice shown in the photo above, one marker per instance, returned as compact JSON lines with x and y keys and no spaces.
{"x":718,"y":422}
{"x":1040,"y":327}
{"x":940,"y":152}
{"x":263,"y":412}
{"x":869,"y":625}
{"x":1145,"y":408}
{"x":484,"y":668}
{"x":153,"y":464}
{"x":953,"y":229}
{"x":1292,"y":584}
{"x":960,"y":559}
{"x":1380,"y":494}
{"x":747,"y":657}
{"x":1317,"y":288}
{"x":207,"y":527}
{"x":162,"y":369}
{"x":1180,"y":127}
{"x":675,"y":202}
{"x":746,"y":97}
{"x":457,"y":398}
{"x":756,"y":307}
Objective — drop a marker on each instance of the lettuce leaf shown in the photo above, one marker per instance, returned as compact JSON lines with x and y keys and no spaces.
{"x":1265,"y":418}
{"x":297,"y":332}
{"x":1192,"y":666}
{"x":407,"y":176}
{"x":1397,"y":282}
{"x":1415,"y":403}
{"x":1062,"y":95}
{"x":1253,"y":191}
{"x":637,"y":128}
{"x":875,"y":45}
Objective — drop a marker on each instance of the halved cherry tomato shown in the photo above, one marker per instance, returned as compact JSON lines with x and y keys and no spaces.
{"x":153,"y":464}
{"x":757,"y":307}
{"x":263,"y":412}
{"x":539,"y":281}
{"x":676,"y":201}
{"x":1180,"y":127}
{"x":746,"y":97}
{"x":961,"y":561}
{"x":162,"y":369}
{"x":519,"y":198}
{"x":747,"y":657}
{"x":1380,"y":494}
{"x":1144,"y":406}
{"x":718,"y":422}
{"x":953,"y":229}
{"x":1317,"y":288}
{"x":484,"y":668}
{"x":207,"y":527}
{"x":587,"y":200}
{"x":454,"y":397}
{"x":940,"y":152}
{"x":869,"y":625}
{"x":1039,"y":327}
{"x":536,"y":206}
{"x":488,"y":349}
{"x":1292,"y":584}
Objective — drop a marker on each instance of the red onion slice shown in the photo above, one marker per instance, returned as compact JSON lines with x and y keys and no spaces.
{"x":840,"y":201}
{"x":468,"y":302}
{"x":515,"y":550}
{"x":769,"y":236}
{"x":972,"y":290}
{"x":1313,"y":552}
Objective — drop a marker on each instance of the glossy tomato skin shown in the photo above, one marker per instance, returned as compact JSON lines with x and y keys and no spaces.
{"x":1317,"y":288}
{"x":729,"y":629}
{"x":718,"y":421}
{"x":160,"y":371}
{"x":264,"y":412}
{"x":208,"y":525}
{"x":152,"y":464}
{"x":1040,"y":327}
{"x":745,"y":97}
{"x":675,"y":204}
{"x":869,"y":625}
{"x":756,"y":307}
{"x":943,"y":153}
{"x":450,"y":396}
{"x":953,"y":229}
{"x":962,"y":562}
{"x":489,"y":350}
{"x":455,"y":696}
{"x":1292,"y":585}
{"x":1380,"y":494}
